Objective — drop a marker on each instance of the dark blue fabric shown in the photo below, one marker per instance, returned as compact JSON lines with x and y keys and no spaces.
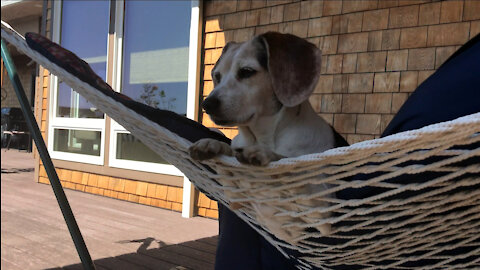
{"x":241,"y":247}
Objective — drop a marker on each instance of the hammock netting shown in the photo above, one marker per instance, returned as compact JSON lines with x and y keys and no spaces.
{"x":404,"y":201}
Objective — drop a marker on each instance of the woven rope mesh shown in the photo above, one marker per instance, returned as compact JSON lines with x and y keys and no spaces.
{"x":418,"y":192}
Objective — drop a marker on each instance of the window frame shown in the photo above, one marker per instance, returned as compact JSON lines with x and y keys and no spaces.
{"x":192,"y":86}
{"x":107,"y":126}
{"x":88,"y":124}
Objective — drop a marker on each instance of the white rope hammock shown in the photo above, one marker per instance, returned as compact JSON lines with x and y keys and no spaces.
{"x":401,"y":223}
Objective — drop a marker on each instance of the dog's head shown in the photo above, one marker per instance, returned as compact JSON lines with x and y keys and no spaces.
{"x":256,"y":78}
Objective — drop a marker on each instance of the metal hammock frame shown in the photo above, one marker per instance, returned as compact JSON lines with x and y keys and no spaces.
{"x":404,"y":223}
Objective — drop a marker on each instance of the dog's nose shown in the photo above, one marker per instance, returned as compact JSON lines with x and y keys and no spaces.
{"x":211,"y":104}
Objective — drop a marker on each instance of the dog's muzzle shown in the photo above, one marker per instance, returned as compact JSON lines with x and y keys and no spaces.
{"x":211,"y":105}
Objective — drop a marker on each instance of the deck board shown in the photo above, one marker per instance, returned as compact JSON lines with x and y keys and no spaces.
{"x":119,"y":235}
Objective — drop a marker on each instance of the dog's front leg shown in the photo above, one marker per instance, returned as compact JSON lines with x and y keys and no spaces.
{"x":256,"y":155}
{"x":209,"y":148}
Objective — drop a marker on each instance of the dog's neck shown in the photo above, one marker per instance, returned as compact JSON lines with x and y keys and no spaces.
{"x":272,"y":131}
{"x":263,"y":130}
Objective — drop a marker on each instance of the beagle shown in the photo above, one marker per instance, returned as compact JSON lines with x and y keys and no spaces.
{"x":262,"y":86}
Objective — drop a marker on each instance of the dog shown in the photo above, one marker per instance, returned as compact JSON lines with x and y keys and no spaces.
{"x":263,"y":86}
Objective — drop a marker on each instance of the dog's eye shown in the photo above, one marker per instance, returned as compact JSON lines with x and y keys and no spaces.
{"x":245,"y":72}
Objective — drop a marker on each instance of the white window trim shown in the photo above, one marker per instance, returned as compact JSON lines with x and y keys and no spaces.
{"x":116,"y":128}
{"x":188,"y":200}
{"x":70,"y":123}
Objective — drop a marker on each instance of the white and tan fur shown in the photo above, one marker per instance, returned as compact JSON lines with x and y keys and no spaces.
{"x":262,"y":86}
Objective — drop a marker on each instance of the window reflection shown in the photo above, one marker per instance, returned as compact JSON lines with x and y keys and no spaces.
{"x":155,"y":56}
{"x":155,"y":64}
{"x":88,"y":39}
{"x":77,"y":141}
{"x":129,"y":147}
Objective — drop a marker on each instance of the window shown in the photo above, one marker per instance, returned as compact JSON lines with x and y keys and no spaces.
{"x":153,"y":41}
{"x":77,"y":127}
{"x":152,"y":58}
{"x":89,"y":41}
{"x":155,"y":53}
{"x":77,"y":141}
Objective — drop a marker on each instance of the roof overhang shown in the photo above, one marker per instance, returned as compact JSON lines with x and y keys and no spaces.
{"x":19,"y":9}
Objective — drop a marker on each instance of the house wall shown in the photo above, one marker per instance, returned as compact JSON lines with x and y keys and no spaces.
{"x":25,"y":72}
{"x":375,"y":53}
{"x":143,"y":192}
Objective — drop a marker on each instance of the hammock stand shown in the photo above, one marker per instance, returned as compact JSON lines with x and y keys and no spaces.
{"x":65,"y":208}
{"x":421,"y":188}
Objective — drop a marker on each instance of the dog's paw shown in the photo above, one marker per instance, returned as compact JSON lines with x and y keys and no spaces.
{"x":208,"y":148}
{"x":256,"y":155}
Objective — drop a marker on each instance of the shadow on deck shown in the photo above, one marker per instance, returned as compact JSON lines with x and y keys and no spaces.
{"x":198,"y":254}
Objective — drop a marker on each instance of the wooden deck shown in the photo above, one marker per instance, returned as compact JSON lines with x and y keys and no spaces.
{"x":119,"y":235}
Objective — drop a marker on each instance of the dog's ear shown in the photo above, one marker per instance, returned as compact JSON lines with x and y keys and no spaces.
{"x":294,"y":65}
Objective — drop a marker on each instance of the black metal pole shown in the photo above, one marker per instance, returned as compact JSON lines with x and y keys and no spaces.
{"x":47,"y":162}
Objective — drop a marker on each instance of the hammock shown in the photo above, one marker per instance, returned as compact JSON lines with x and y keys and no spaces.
{"x":417,"y":196}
